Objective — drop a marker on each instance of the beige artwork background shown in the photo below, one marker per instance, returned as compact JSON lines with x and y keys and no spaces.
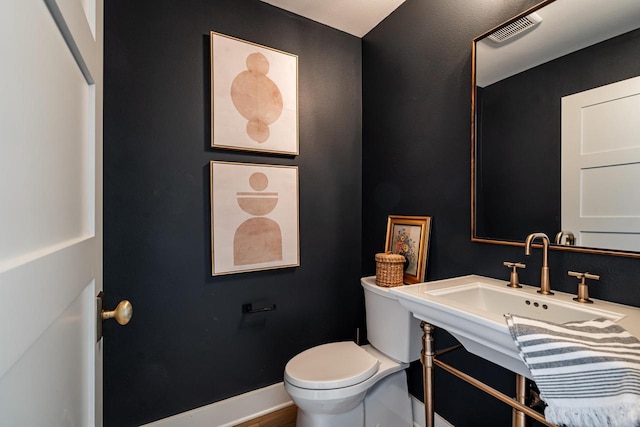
{"x":228,"y":60}
{"x":227,"y":179}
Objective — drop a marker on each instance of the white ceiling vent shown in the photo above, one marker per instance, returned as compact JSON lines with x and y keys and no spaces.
{"x":520,"y":26}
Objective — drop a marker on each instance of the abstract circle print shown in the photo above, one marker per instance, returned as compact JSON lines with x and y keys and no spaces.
{"x":258,"y":239}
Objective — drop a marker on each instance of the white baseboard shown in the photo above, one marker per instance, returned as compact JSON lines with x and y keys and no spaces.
{"x":419,"y":418}
{"x":247,"y":406}
{"x":232,"y":411}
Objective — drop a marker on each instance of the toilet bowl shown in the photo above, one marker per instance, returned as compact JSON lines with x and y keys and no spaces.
{"x":343,"y":384}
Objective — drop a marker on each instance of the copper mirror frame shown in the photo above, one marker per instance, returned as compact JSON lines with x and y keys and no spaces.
{"x":498,"y":241}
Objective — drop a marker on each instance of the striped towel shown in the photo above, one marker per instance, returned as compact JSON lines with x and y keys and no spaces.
{"x":588,"y":372}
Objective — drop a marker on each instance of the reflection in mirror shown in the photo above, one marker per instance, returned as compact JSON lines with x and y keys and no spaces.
{"x":556,"y":138}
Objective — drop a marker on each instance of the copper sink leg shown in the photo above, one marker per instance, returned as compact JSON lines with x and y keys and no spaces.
{"x":519,"y":419}
{"x":426,"y":357}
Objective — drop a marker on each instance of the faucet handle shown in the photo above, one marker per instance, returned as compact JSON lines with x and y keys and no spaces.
{"x":583,"y":276}
{"x":583,"y":289}
{"x":514,"y":282}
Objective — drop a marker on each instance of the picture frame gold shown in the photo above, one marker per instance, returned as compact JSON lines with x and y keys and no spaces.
{"x":409,"y":236}
{"x":254,"y":97}
{"x":254,"y":217}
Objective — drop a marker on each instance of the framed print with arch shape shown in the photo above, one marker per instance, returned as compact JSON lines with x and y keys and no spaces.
{"x":254,"y":217}
{"x":409,"y":236}
{"x":254,"y":97}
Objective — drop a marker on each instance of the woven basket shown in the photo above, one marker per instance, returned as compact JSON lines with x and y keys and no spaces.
{"x":389,"y":269}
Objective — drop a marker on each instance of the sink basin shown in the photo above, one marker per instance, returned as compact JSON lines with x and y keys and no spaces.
{"x":472,"y":308}
{"x":490,"y":299}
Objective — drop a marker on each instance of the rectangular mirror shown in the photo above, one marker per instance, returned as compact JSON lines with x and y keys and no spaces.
{"x":555,"y":130}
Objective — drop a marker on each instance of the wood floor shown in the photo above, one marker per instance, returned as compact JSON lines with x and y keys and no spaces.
{"x":285,"y":417}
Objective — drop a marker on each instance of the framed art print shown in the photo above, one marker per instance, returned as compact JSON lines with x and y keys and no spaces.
{"x":254,"y":97}
{"x":254,"y":217}
{"x":409,"y":236}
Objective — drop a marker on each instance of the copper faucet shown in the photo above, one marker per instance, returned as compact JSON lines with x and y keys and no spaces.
{"x":570,"y":238}
{"x":545,"y":287}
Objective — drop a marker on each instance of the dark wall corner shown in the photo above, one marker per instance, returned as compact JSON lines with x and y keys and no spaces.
{"x":416,"y":161}
{"x":189,"y":344}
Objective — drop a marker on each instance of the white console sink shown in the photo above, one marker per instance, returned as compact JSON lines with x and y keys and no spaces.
{"x":472,"y":308}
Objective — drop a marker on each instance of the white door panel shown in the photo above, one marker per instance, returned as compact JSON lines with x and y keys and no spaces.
{"x":50,"y":211}
{"x":621,"y":241}
{"x":611,"y":123}
{"x":42,"y":387}
{"x":35,"y":292}
{"x":45,"y":136}
{"x":601,"y":166}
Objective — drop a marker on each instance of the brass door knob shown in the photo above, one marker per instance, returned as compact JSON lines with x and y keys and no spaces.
{"x":122,"y":313}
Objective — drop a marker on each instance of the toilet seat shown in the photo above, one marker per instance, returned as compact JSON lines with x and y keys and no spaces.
{"x":331,"y":366}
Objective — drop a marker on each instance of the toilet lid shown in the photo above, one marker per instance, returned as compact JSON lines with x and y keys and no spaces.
{"x":329,"y":366}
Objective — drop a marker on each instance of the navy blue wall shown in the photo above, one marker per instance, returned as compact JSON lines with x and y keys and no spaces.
{"x":188,"y":343}
{"x":416,"y":161}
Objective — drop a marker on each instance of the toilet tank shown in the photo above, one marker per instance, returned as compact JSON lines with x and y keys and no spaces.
{"x":390,"y":327}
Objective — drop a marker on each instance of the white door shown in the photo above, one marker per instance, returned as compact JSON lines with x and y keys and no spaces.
{"x":50,"y":212}
{"x":601,"y":166}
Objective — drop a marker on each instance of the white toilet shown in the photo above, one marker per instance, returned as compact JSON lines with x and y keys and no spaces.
{"x":343,"y":385}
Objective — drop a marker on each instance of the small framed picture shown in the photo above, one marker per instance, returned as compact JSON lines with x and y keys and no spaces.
{"x":254,"y":217}
{"x":409,"y":236}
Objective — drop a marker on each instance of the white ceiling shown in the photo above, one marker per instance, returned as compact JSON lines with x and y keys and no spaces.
{"x":567,"y":26}
{"x":356,"y":17}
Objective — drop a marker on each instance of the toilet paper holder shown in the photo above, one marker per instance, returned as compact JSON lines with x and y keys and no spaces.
{"x":248,"y":308}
